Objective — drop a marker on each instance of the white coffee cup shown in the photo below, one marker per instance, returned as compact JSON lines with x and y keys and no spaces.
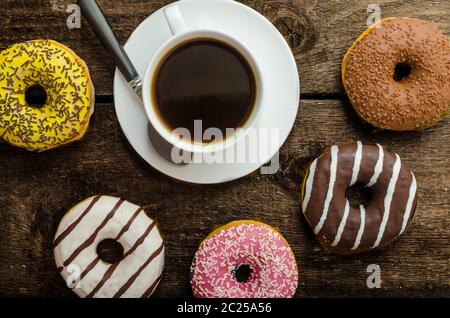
{"x":181,"y":33}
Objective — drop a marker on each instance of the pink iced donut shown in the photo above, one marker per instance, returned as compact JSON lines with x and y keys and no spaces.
{"x":244,"y":259}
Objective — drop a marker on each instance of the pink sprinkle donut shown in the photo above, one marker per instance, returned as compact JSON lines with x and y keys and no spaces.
{"x":244,"y":259}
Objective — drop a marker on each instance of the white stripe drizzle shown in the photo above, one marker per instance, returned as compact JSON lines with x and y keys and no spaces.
{"x":309,"y":185}
{"x":333,"y":168}
{"x":412,"y":196}
{"x":341,"y":228}
{"x":378,"y":167}
{"x":388,"y":199}
{"x":361,"y":227}
{"x":357,"y":163}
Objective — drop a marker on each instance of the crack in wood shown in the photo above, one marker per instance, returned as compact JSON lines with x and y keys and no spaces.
{"x":293,"y":23}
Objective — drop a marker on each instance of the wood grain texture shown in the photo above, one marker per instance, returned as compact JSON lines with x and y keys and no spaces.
{"x":319,"y":32}
{"x":37,"y":189}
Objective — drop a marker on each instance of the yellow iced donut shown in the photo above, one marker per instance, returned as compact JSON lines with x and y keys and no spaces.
{"x":46,"y":95}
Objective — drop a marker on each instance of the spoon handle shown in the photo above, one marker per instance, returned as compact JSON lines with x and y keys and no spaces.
{"x":97,"y":20}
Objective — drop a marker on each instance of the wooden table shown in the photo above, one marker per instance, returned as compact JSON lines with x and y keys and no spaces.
{"x":37,"y":189}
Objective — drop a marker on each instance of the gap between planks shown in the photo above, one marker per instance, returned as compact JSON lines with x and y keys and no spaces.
{"x":109,"y":99}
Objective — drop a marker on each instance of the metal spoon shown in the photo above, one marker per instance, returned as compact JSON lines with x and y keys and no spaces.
{"x":97,"y":20}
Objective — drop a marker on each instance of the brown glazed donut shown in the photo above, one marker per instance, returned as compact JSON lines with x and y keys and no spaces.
{"x":342,"y":228}
{"x":397,"y":74}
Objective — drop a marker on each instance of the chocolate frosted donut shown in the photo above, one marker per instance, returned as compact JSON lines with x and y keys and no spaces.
{"x":342,"y":228}
{"x":397,"y":74}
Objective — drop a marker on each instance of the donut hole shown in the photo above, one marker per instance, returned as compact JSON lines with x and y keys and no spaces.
{"x":358,"y":195}
{"x":36,"y":96}
{"x":242,"y":273}
{"x":110,"y":251}
{"x":402,"y":70}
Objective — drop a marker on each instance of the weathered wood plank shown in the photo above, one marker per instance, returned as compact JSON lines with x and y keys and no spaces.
{"x":318,"y":31}
{"x":37,"y":189}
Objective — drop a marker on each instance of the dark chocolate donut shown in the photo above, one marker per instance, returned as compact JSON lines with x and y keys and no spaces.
{"x":397,"y":74}
{"x":342,"y":228}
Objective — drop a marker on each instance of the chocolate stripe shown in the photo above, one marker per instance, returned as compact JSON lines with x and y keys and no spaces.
{"x":91,"y":239}
{"x":70,"y":228}
{"x":152,"y":288}
{"x":122,"y":232}
{"x":128,"y":225}
{"x":113,"y":267}
{"x":89,"y":267}
{"x":131,"y":280}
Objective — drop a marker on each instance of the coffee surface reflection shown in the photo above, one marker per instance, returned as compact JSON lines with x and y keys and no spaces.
{"x":204,"y":79}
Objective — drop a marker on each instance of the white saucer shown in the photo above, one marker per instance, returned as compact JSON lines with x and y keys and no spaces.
{"x":278,"y":68}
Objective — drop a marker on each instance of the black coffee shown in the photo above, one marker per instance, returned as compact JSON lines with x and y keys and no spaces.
{"x":207,"y":80}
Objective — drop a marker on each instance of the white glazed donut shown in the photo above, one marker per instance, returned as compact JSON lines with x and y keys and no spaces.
{"x":98,"y":218}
